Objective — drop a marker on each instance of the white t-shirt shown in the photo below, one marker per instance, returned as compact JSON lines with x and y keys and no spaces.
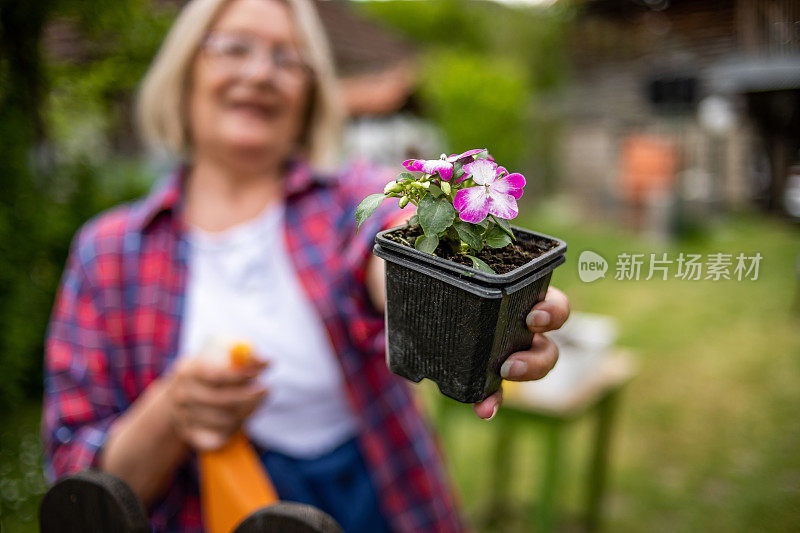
{"x":241,"y":283}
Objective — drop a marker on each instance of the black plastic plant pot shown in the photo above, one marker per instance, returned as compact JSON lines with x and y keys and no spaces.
{"x":457,"y":325}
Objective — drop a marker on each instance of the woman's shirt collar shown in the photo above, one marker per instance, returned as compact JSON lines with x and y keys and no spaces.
{"x":167,"y":195}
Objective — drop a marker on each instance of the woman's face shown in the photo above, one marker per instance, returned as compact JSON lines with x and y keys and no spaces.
{"x":249,"y":85}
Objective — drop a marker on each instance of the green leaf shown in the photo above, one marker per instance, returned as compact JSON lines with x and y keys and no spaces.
{"x":480,"y":265}
{"x":470,"y":234}
{"x":457,"y":174}
{"x":505,"y":225}
{"x":483,"y":154}
{"x":435,"y":215}
{"x":368,"y":206}
{"x":426,"y":243}
{"x":452,"y":234}
{"x":414,"y":220}
{"x":405,"y":176}
{"x":435,"y":190}
{"x":497,"y":238}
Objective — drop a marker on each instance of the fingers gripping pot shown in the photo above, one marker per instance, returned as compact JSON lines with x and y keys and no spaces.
{"x":457,"y":325}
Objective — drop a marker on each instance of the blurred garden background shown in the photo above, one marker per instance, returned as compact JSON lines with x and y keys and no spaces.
{"x":642,"y":126}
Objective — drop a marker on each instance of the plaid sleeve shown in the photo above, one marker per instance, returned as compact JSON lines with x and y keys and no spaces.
{"x":78,"y":394}
{"x":365,"y":323}
{"x":360,"y":179}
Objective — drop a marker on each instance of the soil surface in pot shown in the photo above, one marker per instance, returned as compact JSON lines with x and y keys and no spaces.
{"x":502,"y":260}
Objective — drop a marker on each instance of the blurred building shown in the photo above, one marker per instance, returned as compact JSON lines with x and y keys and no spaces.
{"x":377,"y":69}
{"x":690,"y":100}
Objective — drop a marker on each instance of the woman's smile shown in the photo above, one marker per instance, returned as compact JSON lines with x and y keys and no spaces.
{"x":255,"y":109}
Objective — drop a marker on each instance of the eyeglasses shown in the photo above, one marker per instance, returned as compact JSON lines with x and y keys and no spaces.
{"x":242,"y":53}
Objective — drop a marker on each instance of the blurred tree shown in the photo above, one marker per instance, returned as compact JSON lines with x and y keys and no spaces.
{"x":21,"y":129}
{"x":49,"y":191}
{"x":90,"y":102}
{"x":478,"y":102}
{"x":487,"y":72}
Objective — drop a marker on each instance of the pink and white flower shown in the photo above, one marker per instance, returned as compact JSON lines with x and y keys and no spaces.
{"x":467,"y":156}
{"x":496,"y":192}
{"x":443,"y":166}
{"x":431,"y":166}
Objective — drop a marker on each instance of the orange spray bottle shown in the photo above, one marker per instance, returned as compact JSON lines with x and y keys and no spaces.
{"x":233,"y":481}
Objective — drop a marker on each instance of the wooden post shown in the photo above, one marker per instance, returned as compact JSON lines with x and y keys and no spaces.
{"x":551,"y":477}
{"x":598,"y":469}
{"x":502,"y":472}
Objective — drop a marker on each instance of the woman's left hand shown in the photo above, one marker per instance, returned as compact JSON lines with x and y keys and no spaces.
{"x":548,"y":315}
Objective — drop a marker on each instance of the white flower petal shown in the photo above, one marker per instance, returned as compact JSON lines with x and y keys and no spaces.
{"x":502,"y":205}
{"x":472,"y":204}
{"x":483,"y":171}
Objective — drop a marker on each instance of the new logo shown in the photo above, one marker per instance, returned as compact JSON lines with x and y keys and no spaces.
{"x":591,"y":266}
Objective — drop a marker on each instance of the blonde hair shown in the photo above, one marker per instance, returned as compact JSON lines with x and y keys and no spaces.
{"x":162,"y":112}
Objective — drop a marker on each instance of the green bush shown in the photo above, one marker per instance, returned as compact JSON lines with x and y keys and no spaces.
{"x":36,"y":229}
{"x":58,"y":122}
{"x":488,"y":71}
{"x":479,"y":100}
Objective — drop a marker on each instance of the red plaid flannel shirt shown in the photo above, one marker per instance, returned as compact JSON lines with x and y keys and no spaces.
{"x":116,"y":321}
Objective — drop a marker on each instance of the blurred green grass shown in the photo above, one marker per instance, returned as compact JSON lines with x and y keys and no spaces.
{"x":21,"y":481}
{"x":708,"y":434}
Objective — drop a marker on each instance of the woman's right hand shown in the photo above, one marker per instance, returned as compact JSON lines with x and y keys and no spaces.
{"x":209,"y":402}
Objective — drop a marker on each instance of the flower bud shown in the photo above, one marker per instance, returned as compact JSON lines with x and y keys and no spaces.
{"x":403,"y":202}
{"x":391,"y":187}
{"x":445,"y":186}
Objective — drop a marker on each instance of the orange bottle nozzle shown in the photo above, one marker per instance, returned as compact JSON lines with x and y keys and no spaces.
{"x":241,"y":354}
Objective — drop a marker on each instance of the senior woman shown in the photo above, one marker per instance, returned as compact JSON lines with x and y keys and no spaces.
{"x":247,"y":238}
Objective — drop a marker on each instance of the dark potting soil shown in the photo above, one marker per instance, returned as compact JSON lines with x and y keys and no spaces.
{"x":502,"y":260}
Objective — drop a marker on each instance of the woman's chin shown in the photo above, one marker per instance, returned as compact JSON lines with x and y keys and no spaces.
{"x":246,"y":134}
{"x":246,"y":142}
{"x":243,"y":144}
